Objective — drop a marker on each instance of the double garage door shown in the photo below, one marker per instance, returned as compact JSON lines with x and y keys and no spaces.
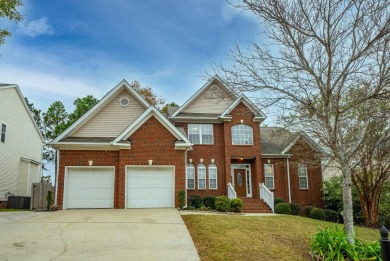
{"x":93,"y":187}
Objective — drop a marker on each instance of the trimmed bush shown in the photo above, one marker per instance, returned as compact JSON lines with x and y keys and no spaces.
{"x":283,"y":208}
{"x":306,"y":211}
{"x":209,"y":202}
{"x":222,"y":203}
{"x":317,"y":213}
{"x":295,"y":209}
{"x":181,"y":195}
{"x":195,"y":201}
{"x":236,"y":205}
{"x":278,"y":200}
{"x":332,"y":216}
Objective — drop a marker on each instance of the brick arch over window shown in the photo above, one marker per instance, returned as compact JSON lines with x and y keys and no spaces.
{"x":242,"y":135}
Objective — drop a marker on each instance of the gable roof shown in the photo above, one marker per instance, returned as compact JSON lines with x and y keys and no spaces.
{"x":123,"y":85}
{"x":279,"y":141}
{"x":259,"y":115}
{"x":16,"y":87}
{"x":200,"y":91}
{"x":182,"y":140}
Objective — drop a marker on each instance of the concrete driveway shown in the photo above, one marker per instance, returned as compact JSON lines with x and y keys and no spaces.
{"x":112,"y":234}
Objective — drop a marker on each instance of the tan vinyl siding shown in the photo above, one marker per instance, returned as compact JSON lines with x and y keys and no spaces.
{"x":215,"y":101}
{"x":112,"y":119}
{"x":23,"y":178}
{"x":22,"y":141}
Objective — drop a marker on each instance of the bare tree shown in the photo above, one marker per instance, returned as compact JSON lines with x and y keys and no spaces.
{"x":322,"y":59}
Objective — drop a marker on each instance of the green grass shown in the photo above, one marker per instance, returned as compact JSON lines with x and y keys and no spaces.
{"x":12,"y":210}
{"x":229,"y":237}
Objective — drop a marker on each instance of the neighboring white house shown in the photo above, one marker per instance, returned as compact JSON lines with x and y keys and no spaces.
{"x":330,"y":168}
{"x":21,"y":144}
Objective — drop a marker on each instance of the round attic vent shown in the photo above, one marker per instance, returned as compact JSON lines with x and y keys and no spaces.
{"x":214,"y":88}
{"x":124,"y":101}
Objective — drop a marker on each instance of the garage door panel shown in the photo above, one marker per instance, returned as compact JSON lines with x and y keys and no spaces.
{"x":90,"y":188}
{"x":150,"y":187}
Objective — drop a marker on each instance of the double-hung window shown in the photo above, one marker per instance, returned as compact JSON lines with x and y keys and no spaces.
{"x":212,"y":176}
{"x":190,"y":176}
{"x":200,"y":133}
{"x":269,"y":176}
{"x":242,"y":135}
{"x":201,"y":176}
{"x":3,"y":130}
{"x":302,"y":173}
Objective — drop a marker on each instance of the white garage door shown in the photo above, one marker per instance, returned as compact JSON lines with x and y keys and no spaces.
{"x":90,"y":188}
{"x":150,"y":187}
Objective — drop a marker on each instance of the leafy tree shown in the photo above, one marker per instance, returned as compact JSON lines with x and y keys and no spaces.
{"x":8,"y":9}
{"x":328,"y":57}
{"x":55,"y":120}
{"x":172,"y":104}
{"x":82,"y":106}
{"x":148,"y":94}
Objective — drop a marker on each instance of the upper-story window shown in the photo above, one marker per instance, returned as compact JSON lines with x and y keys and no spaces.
{"x":3,"y":129}
{"x":200,"y":133}
{"x":302,"y":173}
{"x":242,"y":135}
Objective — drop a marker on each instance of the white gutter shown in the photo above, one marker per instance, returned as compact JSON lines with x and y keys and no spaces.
{"x":56,"y":177}
{"x":288,"y":181}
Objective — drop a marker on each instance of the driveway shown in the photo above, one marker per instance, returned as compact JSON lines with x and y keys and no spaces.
{"x":112,"y":234}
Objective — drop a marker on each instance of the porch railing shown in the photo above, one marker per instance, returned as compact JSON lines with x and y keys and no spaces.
{"x":267,"y":196}
{"x":231,"y":191}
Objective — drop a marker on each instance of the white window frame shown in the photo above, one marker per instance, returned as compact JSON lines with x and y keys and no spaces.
{"x":269,"y":173}
{"x":3,"y":132}
{"x":302,"y":175}
{"x":190,"y":176}
{"x":213,"y":175}
{"x":201,"y":175}
{"x":200,"y":129}
{"x":240,"y":135}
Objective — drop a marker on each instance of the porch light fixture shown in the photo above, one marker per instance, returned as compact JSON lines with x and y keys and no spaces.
{"x":150,"y":162}
{"x":90,"y":162}
{"x":241,"y":121}
{"x":190,"y":160}
{"x":241,"y":158}
{"x":269,"y":161}
{"x":201,"y":160}
{"x":212,"y":161}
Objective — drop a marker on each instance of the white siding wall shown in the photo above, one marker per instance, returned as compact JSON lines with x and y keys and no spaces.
{"x":22,"y":140}
{"x":210,"y":102}
{"x":112,"y":119}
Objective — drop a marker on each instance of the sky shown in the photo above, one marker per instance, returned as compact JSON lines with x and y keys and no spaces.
{"x":62,"y":50}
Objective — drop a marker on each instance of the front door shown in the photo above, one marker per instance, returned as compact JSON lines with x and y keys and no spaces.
{"x":239,"y":182}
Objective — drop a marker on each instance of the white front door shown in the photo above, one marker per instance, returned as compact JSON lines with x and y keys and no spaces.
{"x":150,"y":187}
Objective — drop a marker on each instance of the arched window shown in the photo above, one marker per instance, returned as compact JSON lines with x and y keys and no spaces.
{"x":212,"y":176}
{"x":190,"y":176}
{"x":242,"y":135}
{"x":201,"y":176}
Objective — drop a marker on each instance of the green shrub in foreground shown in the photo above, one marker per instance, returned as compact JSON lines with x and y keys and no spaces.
{"x":222,"y":203}
{"x":331,"y":244}
{"x":332,"y":216}
{"x":195,"y":201}
{"x":181,"y":195}
{"x":209,"y":202}
{"x":306,"y":211}
{"x":295,"y":209}
{"x":278,"y":200}
{"x":317,"y":213}
{"x":283,"y":208}
{"x":236,"y":205}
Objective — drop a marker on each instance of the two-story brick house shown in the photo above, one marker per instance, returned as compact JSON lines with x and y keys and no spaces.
{"x":124,"y":153}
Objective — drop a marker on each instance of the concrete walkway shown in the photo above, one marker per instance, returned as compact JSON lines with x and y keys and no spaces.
{"x":114,"y":234}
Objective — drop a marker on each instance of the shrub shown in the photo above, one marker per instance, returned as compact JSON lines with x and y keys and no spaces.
{"x":209,"y":202}
{"x":195,"y":201}
{"x":278,"y":200}
{"x":222,"y":203}
{"x":331,"y":243}
{"x":236,"y":205}
{"x":317,"y":213}
{"x":181,"y":196}
{"x":306,"y":211}
{"x":295,"y":209}
{"x":332,"y":216}
{"x":283,"y":208}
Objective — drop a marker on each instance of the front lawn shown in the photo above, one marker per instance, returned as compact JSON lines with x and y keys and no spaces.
{"x":230,"y":237}
{"x":12,"y":210}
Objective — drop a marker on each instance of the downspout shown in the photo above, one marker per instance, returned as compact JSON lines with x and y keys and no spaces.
{"x":185,"y":178}
{"x":56,"y":175}
{"x":288,"y":181}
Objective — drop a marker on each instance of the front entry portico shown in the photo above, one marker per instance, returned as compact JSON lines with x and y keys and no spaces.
{"x":241,"y":179}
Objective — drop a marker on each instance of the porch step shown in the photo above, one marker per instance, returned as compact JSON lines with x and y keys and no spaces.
{"x":255,"y":205}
